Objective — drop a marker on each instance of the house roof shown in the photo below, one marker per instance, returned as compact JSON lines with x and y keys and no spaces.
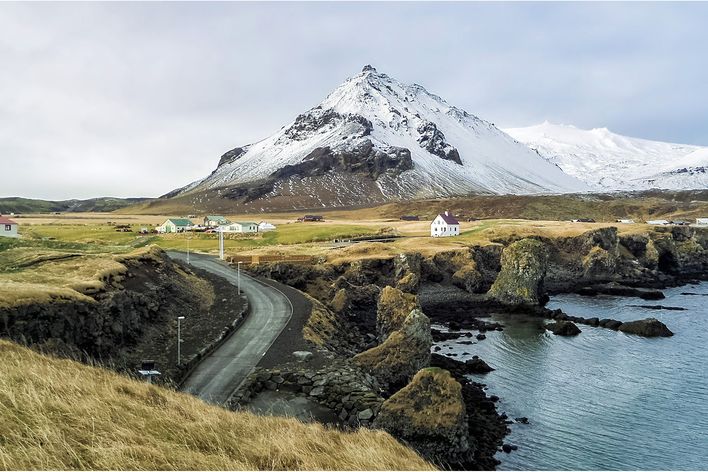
{"x":6,"y":221}
{"x":180,"y":221}
{"x":216,"y":218}
{"x":448,"y":218}
{"x":245,"y":223}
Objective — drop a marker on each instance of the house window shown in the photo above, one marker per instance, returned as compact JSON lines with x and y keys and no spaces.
{"x":8,"y":227}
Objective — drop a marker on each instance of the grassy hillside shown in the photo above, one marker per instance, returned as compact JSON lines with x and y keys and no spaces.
{"x":58,"y":414}
{"x":601,"y":207}
{"x":27,"y":205}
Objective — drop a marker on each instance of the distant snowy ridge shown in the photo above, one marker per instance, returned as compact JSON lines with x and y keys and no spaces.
{"x":610,"y":161}
{"x":375,"y":139}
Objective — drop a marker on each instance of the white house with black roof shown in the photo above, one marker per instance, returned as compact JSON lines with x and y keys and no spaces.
{"x":444,"y":225}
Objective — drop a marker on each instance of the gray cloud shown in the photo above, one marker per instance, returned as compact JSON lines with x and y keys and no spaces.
{"x":134,"y":99}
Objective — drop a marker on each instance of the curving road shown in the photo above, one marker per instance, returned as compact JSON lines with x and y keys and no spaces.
{"x":218,"y":376}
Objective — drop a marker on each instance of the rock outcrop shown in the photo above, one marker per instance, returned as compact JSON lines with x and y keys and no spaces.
{"x":523,"y":268}
{"x":402,"y":354}
{"x":393,"y":308}
{"x":650,"y":327}
{"x":429,"y":414}
{"x":563,"y":328}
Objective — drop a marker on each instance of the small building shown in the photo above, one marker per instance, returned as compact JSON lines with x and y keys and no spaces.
{"x":625,"y":221}
{"x":444,"y":225}
{"x":583,"y":220}
{"x":212,"y":221}
{"x":8,"y":228}
{"x":239,"y":227}
{"x":311,"y":218}
{"x":264,"y":226}
{"x":658,"y":222}
{"x":410,"y":218}
{"x":175,"y":225}
{"x":702,"y":221}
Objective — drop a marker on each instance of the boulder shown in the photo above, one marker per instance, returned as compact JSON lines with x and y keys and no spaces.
{"x":392,"y":309}
{"x":429,"y":414}
{"x":563,"y":328}
{"x":477,"y":366}
{"x":394,"y":362}
{"x":468,"y":278}
{"x":650,"y":327}
{"x":302,"y":356}
{"x":523,"y":268}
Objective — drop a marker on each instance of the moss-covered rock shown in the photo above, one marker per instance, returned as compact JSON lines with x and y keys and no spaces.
{"x":407,"y":271}
{"x":599,"y":263}
{"x":523,"y":268}
{"x":429,"y":414}
{"x":392,"y":309}
{"x":402,"y":354}
{"x":468,"y":278}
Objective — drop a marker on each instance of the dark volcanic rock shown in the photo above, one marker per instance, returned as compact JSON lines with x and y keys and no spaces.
{"x":650,"y":327}
{"x":232,"y":155}
{"x":477,"y":366}
{"x":433,"y":140}
{"x":363,"y":159}
{"x":563,"y":328}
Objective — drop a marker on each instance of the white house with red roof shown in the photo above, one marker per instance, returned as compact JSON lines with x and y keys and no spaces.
{"x":444,"y":225}
{"x":8,"y":228}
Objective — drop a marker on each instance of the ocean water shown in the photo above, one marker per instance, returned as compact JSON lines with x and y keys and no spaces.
{"x":603,"y":400}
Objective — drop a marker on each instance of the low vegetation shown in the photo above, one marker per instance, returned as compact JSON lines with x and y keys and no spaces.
{"x":58,"y":414}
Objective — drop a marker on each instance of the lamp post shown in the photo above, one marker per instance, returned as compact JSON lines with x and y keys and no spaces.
{"x":179,"y":339}
{"x":238,"y":276}
{"x":188,"y":238}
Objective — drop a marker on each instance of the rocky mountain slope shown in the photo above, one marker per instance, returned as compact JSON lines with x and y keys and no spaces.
{"x":607,"y":160}
{"x":375,"y":139}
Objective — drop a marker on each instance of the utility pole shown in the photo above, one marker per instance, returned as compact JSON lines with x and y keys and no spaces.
{"x":179,"y":339}
{"x":221,"y":244}
{"x":238,"y":276}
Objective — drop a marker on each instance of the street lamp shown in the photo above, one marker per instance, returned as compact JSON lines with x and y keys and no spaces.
{"x":179,"y":339}
{"x":188,"y":238}
{"x":238,"y":276}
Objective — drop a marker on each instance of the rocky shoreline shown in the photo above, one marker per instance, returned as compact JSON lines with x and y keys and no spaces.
{"x":364,"y":313}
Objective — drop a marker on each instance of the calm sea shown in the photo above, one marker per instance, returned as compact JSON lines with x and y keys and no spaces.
{"x":603,"y":400}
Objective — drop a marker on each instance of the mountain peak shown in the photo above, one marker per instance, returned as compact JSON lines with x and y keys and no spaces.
{"x":375,"y":139}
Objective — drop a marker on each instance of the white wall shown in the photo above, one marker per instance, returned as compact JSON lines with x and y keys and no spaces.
{"x":8,"y":233}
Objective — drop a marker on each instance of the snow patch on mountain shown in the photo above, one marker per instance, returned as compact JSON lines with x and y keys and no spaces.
{"x":410,"y":142}
{"x":611,"y":161}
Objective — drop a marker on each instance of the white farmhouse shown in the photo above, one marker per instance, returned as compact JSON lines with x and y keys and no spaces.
{"x":265,"y":226}
{"x":8,"y":228}
{"x":444,"y":225}
{"x":212,"y":221}
{"x":239,"y":227}
{"x":702,"y":221}
{"x":658,"y":222}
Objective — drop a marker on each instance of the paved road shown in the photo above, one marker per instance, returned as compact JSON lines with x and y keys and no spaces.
{"x":219,"y":375}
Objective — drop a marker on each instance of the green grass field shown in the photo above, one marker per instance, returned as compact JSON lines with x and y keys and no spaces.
{"x":104,"y":238}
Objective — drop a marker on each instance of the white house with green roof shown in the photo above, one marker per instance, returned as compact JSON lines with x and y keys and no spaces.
{"x":212,"y":221}
{"x":175,"y":225}
{"x":240,"y":227}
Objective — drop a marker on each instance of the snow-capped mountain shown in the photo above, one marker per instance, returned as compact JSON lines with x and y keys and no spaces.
{"x":611,"y":161}
{"x":375,"y":139}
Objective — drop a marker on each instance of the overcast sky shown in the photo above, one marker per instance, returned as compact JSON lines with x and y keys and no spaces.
{"x":133,"y":99}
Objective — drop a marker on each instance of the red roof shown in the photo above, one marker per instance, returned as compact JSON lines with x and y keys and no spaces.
{"x":6,"y":221}
{"x":449,"y":219}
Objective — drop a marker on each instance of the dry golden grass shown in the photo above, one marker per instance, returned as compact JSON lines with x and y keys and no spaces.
{"x":29,"y":275}
{"x":58,"y":414}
